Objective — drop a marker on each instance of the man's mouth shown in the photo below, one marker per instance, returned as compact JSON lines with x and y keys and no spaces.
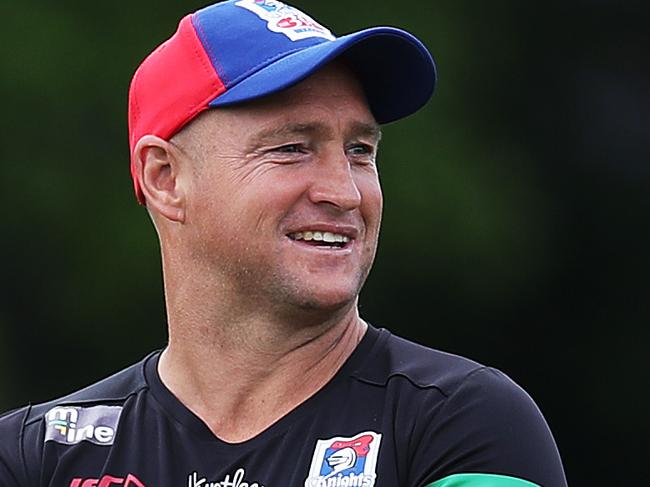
{"x":321,"y":239}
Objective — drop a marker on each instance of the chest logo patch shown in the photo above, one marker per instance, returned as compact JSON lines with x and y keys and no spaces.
{"x":286,"y":19}
{"x":345,"y":461}
{"x":71,"y":424}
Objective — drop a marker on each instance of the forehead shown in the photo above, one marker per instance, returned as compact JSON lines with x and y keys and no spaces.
{"x":332,"y":96}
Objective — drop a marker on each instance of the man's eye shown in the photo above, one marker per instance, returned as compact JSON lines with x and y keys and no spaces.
{"x":289,"y":149}
{"x":361,"y":150}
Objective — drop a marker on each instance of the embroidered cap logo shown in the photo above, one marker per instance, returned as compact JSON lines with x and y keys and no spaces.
{"x":285,"y":19}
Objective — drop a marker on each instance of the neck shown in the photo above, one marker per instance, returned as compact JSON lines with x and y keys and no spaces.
{"x":242,"y":373}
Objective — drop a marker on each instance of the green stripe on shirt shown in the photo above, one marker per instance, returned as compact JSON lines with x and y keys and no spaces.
{"x":481,"y":480}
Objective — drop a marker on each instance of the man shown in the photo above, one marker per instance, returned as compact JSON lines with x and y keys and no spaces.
{"x":254,"y":134}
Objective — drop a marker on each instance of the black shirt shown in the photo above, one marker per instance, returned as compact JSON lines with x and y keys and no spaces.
{"x":396,"y":414}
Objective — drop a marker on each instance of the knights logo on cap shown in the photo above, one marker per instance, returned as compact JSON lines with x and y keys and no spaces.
{"x":285,"y":19}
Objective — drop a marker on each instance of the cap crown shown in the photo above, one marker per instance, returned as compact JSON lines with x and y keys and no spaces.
{"x":273,"y":31}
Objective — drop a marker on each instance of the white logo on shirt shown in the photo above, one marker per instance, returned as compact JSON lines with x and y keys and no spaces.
{"x":237,"y":480}
{"x":72,"y":424}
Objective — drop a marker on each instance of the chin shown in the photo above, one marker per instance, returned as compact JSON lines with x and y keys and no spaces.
{"x":330,"y":301}
{"x":327,"y":293}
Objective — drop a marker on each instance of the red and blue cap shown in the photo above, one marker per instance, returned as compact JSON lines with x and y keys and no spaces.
{"x":239,"y":50}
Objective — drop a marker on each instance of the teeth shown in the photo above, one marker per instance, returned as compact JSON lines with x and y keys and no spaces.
{"x":317,"y":236}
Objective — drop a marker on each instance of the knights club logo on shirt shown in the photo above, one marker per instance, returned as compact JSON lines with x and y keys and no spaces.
{"x":345,"y":462}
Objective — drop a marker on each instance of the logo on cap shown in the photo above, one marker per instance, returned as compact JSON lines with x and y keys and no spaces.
{"x":286,"y":19}
{"x":340,"y":461}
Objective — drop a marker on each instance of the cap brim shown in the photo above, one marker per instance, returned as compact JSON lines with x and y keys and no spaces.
{"x":395,"y":69}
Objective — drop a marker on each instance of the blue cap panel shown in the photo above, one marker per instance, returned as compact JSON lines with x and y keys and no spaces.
{"x":273,"y":30}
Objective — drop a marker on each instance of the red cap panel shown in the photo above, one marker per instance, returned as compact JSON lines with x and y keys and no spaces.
{"x":171,"y":86}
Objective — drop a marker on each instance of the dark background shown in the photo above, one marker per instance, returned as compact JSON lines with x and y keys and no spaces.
{"x":516,"y":219}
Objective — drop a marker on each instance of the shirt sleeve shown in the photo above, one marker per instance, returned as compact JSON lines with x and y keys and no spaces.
{"x":488,"y":433}
{"x":12,"y":467}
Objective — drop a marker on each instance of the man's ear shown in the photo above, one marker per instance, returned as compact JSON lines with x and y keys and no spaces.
{"x":157,"y":169}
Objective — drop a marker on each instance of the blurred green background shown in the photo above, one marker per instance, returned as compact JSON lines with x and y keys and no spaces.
{"x":515,"y":228}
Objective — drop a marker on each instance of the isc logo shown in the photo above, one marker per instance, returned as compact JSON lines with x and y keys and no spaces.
{"x":107,"y":481}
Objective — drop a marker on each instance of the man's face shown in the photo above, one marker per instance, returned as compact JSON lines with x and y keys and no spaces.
{"x":284,"y":205}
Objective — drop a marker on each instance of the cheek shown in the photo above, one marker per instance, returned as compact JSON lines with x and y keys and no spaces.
{"x":249,"y":209}
{"x":372,"y":201}
{"x":268,"y":200}
{"x":211,"y":215}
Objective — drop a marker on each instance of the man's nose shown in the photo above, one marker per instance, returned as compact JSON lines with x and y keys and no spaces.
{"x":334,"y":183}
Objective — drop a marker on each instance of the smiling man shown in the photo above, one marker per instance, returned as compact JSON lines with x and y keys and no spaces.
{"x":254,"y":135}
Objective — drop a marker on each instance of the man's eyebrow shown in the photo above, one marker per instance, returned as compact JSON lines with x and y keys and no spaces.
{"x":286,"y":130}
{"x":358,"y":129}
{"x":366,"y":129}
